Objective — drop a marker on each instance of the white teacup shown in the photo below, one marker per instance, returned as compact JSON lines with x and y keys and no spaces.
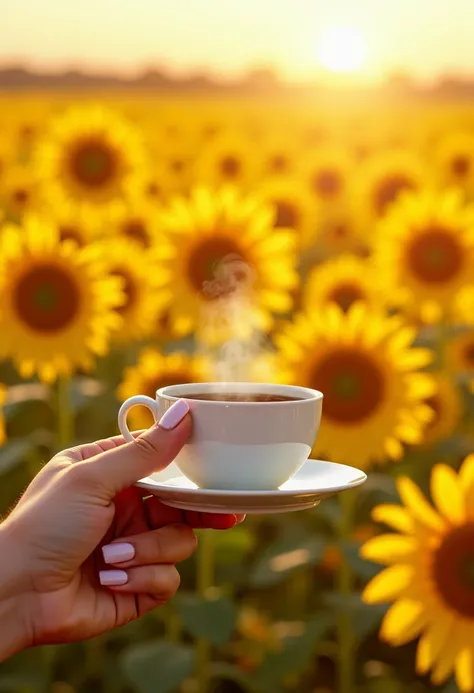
{"x":240,"y":445}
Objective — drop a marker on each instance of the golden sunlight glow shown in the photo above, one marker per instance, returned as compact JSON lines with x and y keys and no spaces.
{"x":342,"y":49}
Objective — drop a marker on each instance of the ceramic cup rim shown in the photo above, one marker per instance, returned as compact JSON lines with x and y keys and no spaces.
{"x":304,"y":394}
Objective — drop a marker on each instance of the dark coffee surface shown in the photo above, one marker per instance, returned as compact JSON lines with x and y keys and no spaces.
{"x":240,"y":397}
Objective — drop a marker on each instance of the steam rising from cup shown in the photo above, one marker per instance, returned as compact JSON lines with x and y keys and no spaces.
{"x":231,"y":336}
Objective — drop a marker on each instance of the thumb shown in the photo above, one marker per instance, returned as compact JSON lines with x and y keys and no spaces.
{"x":120,"y":467}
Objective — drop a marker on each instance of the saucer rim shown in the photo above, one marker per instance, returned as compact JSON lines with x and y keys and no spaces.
{"x":146,"y":482}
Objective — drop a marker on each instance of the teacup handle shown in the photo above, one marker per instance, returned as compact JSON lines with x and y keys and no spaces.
{"x":138,"y":400}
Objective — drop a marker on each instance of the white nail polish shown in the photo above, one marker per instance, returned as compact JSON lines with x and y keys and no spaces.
{"x":113,"y":578}
{"x":172,"y":416}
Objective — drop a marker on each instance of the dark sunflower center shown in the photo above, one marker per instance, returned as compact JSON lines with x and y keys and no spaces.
{"x":70,"y":233}
{"x":130,"y":290}
{"x":278,"y":163}
{"x":345,"y":295}
{"x":389,"y":189}
{"x":206,"y":265}
{"x":230,"y":166}
{"x":163,"y":322}
{"x":352,"y":383}
{"x":435,"y":256}
{"x":21,"y":196}
{"x":338,"y":231}
{"x":47,"y":298}
{"x":287,"y":214}
{"x":92,"y":163}
{"x":153,"y":189}
{"x":469,"y":354}
{"x":453,"y":570}
{"x":327,"y":183}
{"x":435,"y":403}
{"x":137,"y":231}
{"x":177,"y":166}
{"x":461,"y":166}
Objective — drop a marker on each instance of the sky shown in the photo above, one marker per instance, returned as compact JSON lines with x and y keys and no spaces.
{"x":227,"y":37}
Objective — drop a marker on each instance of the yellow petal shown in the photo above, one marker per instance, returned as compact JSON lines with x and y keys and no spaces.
{"x":466,"y":479}
{"x":432,"y":643}
{"x":390,"y":548}
{"x":466,"y":473}
{"x":445,"y":662}
{"x":388,"y":584}
{"x":403,"y":621}
{"x":417,"y":504}
{"x":447,"y":494}
{"x":394,"y":516}
{"x":464,"y":668}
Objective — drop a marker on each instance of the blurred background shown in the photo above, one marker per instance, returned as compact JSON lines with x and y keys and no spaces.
{"x":150,"y":152}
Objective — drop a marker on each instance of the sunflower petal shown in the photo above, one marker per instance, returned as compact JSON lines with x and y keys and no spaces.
{"x":464,"y":668}
{"x":447,"y":658}
{"x":418,"y":506}
{"x":403,"y":621}
{"x":466,"y":473}
{"x":447,"y":494}
{"x":390,"y":548}
{"x":432,"y":643}
{"x":395,"y":516}
{"x":388,"y":584}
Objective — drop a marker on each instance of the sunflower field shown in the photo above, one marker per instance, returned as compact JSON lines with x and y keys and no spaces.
{"x":353,"y":228}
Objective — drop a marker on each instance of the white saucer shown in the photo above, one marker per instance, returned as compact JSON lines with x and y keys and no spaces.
{"x":315,"y":481}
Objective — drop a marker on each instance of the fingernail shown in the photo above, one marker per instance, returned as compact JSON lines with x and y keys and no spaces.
{"x":118,"y":553}
{"x":240,"y":519}
{"x":174,"y":415}
{"x":113,"y":578}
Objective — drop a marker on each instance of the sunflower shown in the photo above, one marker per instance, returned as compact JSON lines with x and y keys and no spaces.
{"x":447,"y":407}
{"x":385,"y":177}
{"x":344,"y":280}
{"x":137,"y":221}
{"x":278,"y":157}
{"x":367,"y":369}
{"x":460,"y":353}
{"x":227,"y":160}
{"x":154,"y":370}
{"x":78,"y":226}
{"x":58,"y":303}
{"x":339,"y":229}
{"x":18,"y":193}
{"x":89,"y":159}
{"x":425,"y":248}
{"x":454,"y":160}
{"x":327,"y":173}
{"x":224,"y":263}
{"x":294,"y":207}
{"x":141,"y":280}
{"x":429,"y":577}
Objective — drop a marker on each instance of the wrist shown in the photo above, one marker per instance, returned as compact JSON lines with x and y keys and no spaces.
{"x":14,"y":632}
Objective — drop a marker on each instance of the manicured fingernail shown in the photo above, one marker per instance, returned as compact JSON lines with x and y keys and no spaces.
{"x":118,"y":553}
{"x":240,"y":519}
{"x":174,"y":415}
{"x":113,"y":578}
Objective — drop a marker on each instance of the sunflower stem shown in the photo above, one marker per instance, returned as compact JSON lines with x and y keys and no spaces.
{"x":172,"y":623}
{"x":205,"y":579}
{"x":64,"y":413}
{"x":346,"y":644}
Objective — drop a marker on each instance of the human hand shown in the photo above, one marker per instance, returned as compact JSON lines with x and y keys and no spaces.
{"x":86,"y":552}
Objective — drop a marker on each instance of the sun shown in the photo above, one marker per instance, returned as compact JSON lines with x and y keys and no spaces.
{"x":342,"y":49}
